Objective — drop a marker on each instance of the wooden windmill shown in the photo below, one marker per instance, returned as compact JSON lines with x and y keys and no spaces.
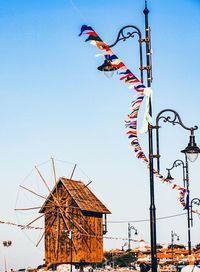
{"x":74,"y":223}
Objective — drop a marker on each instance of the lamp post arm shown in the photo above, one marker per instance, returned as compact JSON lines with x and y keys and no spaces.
{"x":124,"y":35}
{"x":176,"y":119}
{"x":129,"y":235}
{"x":173,"y":119}
{"x":176,"y":164}
{"x":195,"y":201}
{"x":127,"y":32}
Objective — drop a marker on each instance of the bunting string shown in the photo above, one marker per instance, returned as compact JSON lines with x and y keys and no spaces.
{"x":134,"y":84}
{"x":19,"y":225}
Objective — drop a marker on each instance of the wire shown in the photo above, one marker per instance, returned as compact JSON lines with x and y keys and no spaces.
{"x":77,"y":10}
{"x":145,"y":220}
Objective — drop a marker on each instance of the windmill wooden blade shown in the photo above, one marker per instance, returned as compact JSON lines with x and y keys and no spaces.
{"x":58,"y":235}
{"x":73,"y":171}
{"x":32,"y":208}
{"x":78,"y":226}
{"x":26,"y":209}
{"x":33,"y":221}
{"x":46,"y":185}
{"x":54,"y":174}
{"x":40,"y":239}
{"x":47,"y":226}
{"x":31,"y":191}
{"x":65,"y":222}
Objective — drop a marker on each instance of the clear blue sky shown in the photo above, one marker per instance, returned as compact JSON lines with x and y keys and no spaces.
{"x":54,"y":102}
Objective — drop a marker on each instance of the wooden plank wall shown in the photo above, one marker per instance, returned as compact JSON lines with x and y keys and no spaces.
{"x":87,"y":240}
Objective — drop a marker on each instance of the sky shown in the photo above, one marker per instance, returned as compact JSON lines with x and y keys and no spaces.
{"x":55,"y":103}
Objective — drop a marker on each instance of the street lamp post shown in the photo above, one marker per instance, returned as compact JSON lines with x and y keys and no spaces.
{"x":194,"y":201}
{"x":70,"y":238}
{"x":173,"y":234}
{"x":6,"y":244}
{"x":69,"y":234}
{"x":185,"y":184}
{"x":191,"y":152}
{"x":107,"y":67}
{"x":129,"y":234}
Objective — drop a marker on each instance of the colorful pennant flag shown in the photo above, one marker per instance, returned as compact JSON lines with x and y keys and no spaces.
{"x":133,"y":83}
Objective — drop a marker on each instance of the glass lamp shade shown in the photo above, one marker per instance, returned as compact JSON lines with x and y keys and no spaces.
{"x":108,"y":74}
{"x":192,"y":150}
{"x":192,"y":156}
{"x":107,"y":68}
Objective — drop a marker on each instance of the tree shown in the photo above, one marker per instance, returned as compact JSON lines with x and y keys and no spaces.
{"x":177,"y":246}
{"x":196,"y":247}
{"x":159,"y":246}
{"x":123,"y":260}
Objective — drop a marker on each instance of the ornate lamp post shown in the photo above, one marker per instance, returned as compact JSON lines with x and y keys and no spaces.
{"x":191,"y":152}
{"x":129,"y":234}
{"x":177,"y":163}
{"x":107,"y":67}
{"x":194,"y":201}
{"x":185,"y":184}
{"x":173,"y":234}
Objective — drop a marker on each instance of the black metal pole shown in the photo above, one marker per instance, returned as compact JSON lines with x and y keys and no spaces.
{"x":188,"y":210}
{"x":71,"y":251}
{"x":150,"y":134}
{"x":185,"y":183}
{"x":172,"y":246}
{"x":129,"y":236}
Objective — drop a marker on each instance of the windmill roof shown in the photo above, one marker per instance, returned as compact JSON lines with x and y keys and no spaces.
{"x":82,"y":195}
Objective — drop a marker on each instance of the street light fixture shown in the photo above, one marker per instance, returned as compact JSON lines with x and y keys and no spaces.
{"x":177,"y":163}
{"x":123,"y":35}
{"x":6,"y":244}
{"x":173,"y":234}
{"x":185,"y":184}
{"x":191,"y":152}
{"x":194,"y":201}
{"x":107,"y":68}
{"x":129,"y":234}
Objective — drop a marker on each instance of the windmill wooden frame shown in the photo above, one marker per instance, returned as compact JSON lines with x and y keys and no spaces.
{"x":74,"y":222}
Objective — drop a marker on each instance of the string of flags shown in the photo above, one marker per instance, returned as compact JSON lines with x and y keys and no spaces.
{"x":77,"y":236}
{"x":19,"y":225}
{"x":133,"y":83}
